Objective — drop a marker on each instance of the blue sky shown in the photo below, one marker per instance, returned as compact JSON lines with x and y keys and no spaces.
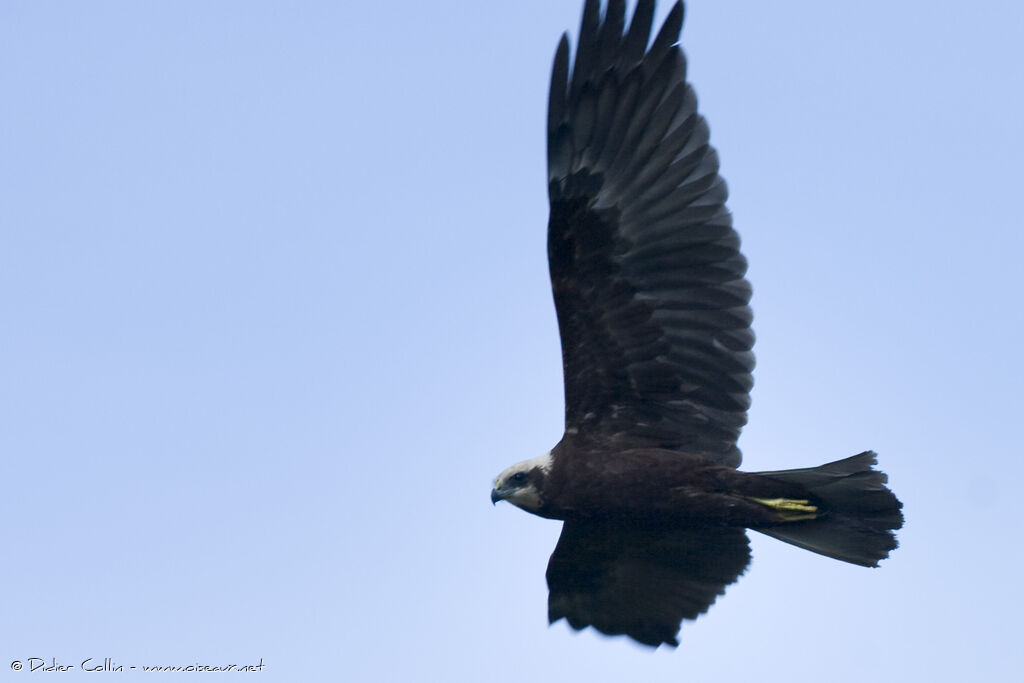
{"x":275,"y":312}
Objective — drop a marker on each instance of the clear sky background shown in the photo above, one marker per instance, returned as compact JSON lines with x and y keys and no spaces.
{"x":274,"y":311}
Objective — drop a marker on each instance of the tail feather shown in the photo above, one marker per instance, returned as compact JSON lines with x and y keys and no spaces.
{"x":858,"y":514}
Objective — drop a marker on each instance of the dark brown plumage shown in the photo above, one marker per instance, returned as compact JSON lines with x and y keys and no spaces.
{"x":653,"y":312}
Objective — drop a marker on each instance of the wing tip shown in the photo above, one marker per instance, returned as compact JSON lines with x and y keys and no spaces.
{"x":559,"y":84}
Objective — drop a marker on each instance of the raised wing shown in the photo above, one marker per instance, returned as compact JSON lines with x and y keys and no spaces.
{"x":647,"y":275}
{"x":624,"y":579}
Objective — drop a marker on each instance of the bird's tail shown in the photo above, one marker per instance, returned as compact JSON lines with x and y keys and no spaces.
{"x":856,"y":514}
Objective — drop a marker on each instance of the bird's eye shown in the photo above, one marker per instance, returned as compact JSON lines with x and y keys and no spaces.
{"x":518,"y":478}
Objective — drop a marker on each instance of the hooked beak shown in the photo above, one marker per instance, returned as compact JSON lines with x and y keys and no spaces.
{"x":495,"y":496}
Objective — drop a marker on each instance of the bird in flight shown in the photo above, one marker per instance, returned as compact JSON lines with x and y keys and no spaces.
{"x":654,"y":317}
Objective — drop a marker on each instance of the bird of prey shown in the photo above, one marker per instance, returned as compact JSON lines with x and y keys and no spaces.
{"x":654,"y":317}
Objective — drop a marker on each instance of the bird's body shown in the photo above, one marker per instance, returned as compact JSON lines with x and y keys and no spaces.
{"x":654,"y":318}
{"x":650,"y":484}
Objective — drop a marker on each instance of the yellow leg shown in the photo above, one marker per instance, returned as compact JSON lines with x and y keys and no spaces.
{"x":789,"y":509}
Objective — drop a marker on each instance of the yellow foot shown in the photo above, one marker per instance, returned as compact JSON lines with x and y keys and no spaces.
{"x":789,"y":509}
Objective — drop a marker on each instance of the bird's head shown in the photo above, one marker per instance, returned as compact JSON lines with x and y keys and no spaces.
{"x":523,"y":483}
